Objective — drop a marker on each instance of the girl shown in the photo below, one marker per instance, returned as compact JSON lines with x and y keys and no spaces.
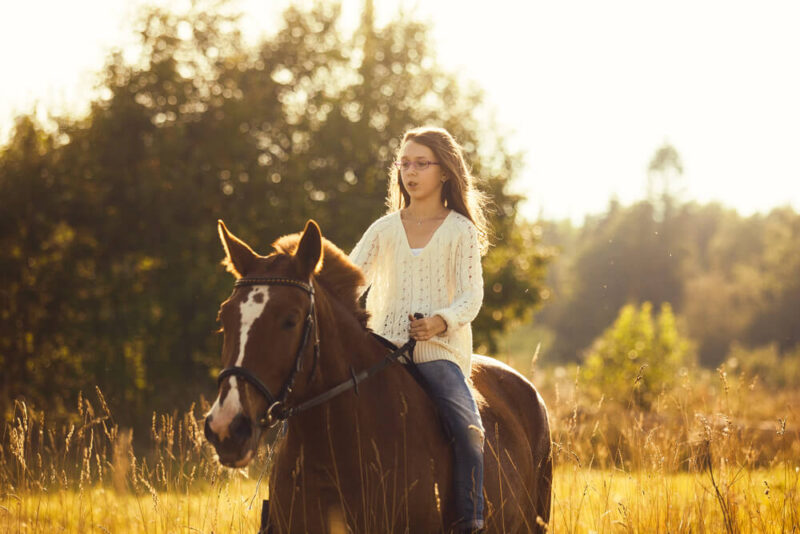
{"x":425,"y":256}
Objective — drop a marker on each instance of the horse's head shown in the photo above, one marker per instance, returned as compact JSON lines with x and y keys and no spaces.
{"x":264,"y":323}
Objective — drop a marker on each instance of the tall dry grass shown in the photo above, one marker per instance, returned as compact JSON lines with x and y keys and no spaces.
{"x":718,"y":453}
{"x":83,"y":475}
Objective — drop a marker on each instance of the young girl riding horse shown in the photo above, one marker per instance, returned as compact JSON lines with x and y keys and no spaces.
{"x":424,"y":257}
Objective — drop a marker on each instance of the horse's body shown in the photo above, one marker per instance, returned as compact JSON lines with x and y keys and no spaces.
{"x":375,"y":460}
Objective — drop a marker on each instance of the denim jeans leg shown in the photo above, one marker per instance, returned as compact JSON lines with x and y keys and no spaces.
{"x":449,"y":390}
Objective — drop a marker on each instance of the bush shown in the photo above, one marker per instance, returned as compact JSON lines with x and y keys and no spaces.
{"x":638,"y":356}
{"x":767,"y":363}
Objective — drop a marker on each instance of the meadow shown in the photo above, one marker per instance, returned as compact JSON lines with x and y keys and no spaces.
{"x":717,"y":453}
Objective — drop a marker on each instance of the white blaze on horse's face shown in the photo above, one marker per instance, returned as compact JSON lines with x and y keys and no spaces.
{"x":223,"y":412}
{"x":251,"y":309}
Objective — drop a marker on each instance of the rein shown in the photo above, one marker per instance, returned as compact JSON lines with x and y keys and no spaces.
{"x":277,"y":410}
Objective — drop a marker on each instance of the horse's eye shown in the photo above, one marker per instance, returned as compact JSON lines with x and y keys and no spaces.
{"x":290,"y":322}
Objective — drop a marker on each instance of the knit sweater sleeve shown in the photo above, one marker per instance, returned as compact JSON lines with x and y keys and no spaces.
{"x":365,"y":254}
{"x":468,"y":280}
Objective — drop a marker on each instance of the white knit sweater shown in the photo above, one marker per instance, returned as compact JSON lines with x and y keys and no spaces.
{"x":444,"y":279}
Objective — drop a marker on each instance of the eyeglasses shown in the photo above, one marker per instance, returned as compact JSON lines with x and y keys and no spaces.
{"x":419,"y":165}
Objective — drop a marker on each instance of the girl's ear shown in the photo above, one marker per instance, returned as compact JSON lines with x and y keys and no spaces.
{"x":239,"y":257}
{"x":309,"y":250}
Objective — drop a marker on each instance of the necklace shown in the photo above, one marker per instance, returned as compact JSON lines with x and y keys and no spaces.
{"x":419,"y":222}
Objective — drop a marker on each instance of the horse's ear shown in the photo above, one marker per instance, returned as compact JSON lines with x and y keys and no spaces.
{"x":309,"y":250}
{"x":239,"y":257}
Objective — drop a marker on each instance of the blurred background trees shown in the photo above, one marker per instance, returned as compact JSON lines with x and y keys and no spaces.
{"x":110,"y":257}
{"x":720,"y":272}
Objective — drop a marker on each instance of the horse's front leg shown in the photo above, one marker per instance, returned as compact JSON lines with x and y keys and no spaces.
{"x":305,"y":510}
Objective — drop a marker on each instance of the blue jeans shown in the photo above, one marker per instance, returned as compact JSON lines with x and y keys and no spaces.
{"x":449,"y":390}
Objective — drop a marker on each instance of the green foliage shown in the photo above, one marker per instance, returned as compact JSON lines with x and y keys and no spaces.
{"x":766,"y":363}
{"x":744,"y":287}
{"x":622,"y":256}
{"x":638,"y":356}
{"x":732,"y":278}
{"x":509,"y":296}
{"x":777,"y":315}
{"x":109,"y":257}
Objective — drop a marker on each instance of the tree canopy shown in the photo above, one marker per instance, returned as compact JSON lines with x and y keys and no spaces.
{"x":110,"y":257}
{"x":733,"y":279}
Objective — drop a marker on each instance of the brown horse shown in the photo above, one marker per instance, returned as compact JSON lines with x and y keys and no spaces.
{"x":373,"y":458}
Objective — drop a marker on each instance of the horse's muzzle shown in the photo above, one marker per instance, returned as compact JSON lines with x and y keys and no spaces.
{"x":236,"y":447}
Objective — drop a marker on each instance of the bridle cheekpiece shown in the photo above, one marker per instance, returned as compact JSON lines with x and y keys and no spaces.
{"x":277,"y":410}
{"x":276,"y":405}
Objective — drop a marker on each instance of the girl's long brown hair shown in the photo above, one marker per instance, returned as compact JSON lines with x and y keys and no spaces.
{"x":458,"y":192}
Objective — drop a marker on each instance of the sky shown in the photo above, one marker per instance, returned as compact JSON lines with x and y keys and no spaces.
{"x":586,"y":90}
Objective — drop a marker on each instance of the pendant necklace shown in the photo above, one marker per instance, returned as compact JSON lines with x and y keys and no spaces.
{"x":420,"y":221}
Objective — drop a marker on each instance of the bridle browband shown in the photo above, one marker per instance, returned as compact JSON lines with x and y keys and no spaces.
{"x":276,"y":406}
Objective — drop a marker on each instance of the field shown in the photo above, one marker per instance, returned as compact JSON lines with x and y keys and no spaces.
{"x":586,"y":500}
{"x":716,"y":454}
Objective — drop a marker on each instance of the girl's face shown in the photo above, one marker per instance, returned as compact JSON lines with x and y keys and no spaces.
{"x":425,"y":183}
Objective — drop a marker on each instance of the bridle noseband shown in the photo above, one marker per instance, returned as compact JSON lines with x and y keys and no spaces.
{"x":276,"y":406}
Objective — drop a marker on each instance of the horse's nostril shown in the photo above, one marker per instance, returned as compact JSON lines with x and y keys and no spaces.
{"x":241,"y":428}
{"x":210,"y":436}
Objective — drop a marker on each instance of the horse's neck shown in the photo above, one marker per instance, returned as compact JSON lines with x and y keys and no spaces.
{"x":346,"y":348}
{"x":344,"y":344}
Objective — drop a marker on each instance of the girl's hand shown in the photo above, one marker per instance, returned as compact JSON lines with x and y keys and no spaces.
{"x":427,"y":327}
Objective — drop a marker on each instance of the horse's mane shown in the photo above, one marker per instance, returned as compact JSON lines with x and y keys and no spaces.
{"x":338,"y":274}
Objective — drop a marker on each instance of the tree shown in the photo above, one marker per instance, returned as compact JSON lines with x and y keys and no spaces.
{"x":777,"y":314}
{"x":664,"y":174}
{"x":629,"y":254}
{"x":732,"y":278}
{"x":110,"y":262}
{"x":509,"y":297}
{"x":622,"y":256}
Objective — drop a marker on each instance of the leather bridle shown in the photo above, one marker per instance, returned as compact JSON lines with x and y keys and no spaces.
{"x":277,"y":410}
{"x":276,"y":405}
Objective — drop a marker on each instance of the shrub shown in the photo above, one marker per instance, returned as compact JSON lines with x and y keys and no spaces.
{"x":774,"y":368}
{"x":638,"y":355}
